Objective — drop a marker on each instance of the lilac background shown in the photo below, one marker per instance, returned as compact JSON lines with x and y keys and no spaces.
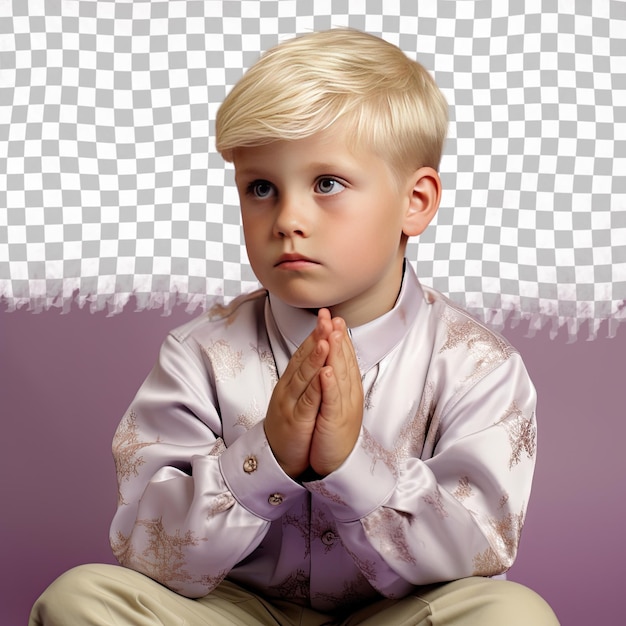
{"x":65,"y":381}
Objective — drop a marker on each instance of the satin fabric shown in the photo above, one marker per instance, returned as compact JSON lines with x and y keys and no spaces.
{"x":435,"y":489}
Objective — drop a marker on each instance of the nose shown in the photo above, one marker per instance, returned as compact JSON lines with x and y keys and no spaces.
{"x":291,"y":219}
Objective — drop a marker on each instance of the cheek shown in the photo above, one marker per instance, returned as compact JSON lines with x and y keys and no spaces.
{"x":372,"y":241}
{"x":253,"y":227}
{"x":367,"y":231}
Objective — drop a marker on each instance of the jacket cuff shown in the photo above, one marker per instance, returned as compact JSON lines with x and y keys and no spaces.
{"x":255,"y":478}
{"x":364,"y":482}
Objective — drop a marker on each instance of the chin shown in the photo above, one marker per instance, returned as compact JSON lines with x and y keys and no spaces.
{"x":311,"y":305}
{"x":301,"y":302}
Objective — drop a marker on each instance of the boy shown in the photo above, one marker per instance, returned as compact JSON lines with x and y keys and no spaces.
{"x":336,"y":447}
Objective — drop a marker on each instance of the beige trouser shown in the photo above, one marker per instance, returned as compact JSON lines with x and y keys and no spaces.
{"x":91,"y":595}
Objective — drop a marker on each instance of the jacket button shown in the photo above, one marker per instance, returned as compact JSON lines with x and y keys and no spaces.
{"x":275,"y":499}
{"x":250,"y":464}
{"x":329,"y":538}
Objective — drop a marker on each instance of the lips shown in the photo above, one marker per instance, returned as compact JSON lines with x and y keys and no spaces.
{"x":294,"y":261}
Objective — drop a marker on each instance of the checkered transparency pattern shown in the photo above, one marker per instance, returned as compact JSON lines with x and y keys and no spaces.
{"x":110,"y":186}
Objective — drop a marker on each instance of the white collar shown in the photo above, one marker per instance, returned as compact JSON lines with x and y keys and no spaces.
{"x":372,"y":341}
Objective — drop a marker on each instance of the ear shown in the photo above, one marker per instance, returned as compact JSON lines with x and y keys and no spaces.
{"x":424,"y":197}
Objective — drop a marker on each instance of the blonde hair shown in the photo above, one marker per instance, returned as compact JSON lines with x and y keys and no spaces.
{"x":304,"y":85}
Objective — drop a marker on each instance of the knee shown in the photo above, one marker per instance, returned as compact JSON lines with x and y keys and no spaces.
{"x":67,"y":599}
{"x":81,"y":581}
{"x":515,"y":604}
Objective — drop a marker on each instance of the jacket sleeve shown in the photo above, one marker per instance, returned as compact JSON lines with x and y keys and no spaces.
{"x":186,"y":512}
{"x":457,"y":509}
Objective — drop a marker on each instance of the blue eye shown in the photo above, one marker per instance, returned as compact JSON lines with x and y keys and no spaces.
{"x":260,"y":189}
{"x":328,"y":186}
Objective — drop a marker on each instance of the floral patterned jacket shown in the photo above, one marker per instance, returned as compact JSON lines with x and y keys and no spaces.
{"x":435,"y":489}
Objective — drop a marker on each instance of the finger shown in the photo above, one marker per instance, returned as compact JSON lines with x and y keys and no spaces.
{"x":330,"y":408}
{"x":311,"y":350}
{"x":336,"y":429}
{"x":309,"y":402}
{"x":292,"y":398}
{"x":342,"y":358}
{"x":353,"y":370}
{"x":342,"y":355}
{"x":340,"y":325}
{"x":311,"y":354}
{"x":350,"y":353}
{"x":324,"y":323}
{"x":306,"y":372}
{"x":337,"y":355}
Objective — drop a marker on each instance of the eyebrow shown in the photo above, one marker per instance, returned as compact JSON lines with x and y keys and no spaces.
{"x":250,"y":172}
{"x":318,"y":166}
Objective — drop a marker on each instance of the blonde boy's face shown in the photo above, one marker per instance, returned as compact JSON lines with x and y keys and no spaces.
{"x":323,"y":225}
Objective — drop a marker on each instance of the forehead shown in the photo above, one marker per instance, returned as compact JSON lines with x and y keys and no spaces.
{"x":334,"y":146}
